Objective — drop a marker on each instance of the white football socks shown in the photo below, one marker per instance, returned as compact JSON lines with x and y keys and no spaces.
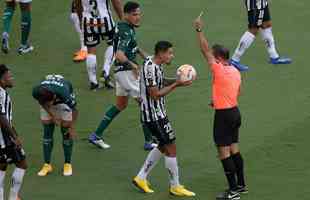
{"x":108,"y":59}
{"x":91,"y":64}
{"x":17,"y":179}
{"x":76,"y":23}
{"x":151,"y":160}
{"x":268,"y":38}
{"x":172,"y":166}
{"x":245,"y":42}
{"x":2,"y":177}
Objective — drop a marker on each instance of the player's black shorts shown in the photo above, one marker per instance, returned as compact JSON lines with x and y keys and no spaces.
{"x":256,"y":17}
{"x":162,"y":131}
{"x":94,"y":34}
{"x":226,"y":126}
{"x":12,"y":154}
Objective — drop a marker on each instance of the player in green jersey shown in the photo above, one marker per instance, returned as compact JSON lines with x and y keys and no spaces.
{"x":126,"y":75}
{"x":58,"y":107}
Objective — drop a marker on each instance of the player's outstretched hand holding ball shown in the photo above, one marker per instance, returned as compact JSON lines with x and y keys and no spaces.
{"x":186,"y":74}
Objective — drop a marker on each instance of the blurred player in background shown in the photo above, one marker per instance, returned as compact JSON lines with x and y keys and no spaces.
{"x":11,"y":151}
{"x":25,"y":7}
{"x":126,"y":75}
{"x":58,"y":107}
{"x":259,"y":21}
{"x":98,"y":25}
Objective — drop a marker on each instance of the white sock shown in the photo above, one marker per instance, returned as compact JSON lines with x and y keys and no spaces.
{"x":151,"y":160}
{"x":245,"y":42}
{"x":172,"y":166}
{"x":2,"y":177}
{"x":76,"y":23}
{"x":91,"y":63}
{"x":17,"y":180}
{"x":270,"y":43}
{"x":108,"y":59}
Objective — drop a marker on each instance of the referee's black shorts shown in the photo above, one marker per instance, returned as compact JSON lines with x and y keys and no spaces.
{"x":256,"y":17}
{"x":226,"y":126}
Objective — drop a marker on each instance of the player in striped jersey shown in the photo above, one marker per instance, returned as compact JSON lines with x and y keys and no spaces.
{"x":11,"y":150}
{"x":98,"y":24}
{"x":153,"y":90}
{"x":25,"y":7}
{"x":259,"y":21}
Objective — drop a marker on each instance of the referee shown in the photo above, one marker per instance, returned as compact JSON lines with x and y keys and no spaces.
{"x":227,"y":120}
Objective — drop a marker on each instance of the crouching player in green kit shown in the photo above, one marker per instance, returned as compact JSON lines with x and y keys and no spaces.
{"x":58,"y":107}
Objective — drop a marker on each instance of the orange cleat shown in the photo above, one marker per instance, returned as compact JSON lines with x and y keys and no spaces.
{"x":80,"y":56}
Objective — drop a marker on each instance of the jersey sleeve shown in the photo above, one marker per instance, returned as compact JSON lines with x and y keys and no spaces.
{"x":150,"y":75}
{"x":68,"y":98}
{"x":124,"y":39}
{"x":2,"y":102}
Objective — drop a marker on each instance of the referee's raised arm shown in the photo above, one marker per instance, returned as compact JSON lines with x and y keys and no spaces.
{"x":203,"y":42}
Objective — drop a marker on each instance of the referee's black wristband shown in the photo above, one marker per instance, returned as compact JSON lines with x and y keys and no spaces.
{"x":198,"y":30}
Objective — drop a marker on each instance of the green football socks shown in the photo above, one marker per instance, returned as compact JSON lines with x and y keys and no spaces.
{"x":48,"y":141}
{"x":111,"y":113}
{"x":25,"y":26}
{"x":7,"y":18}
{"x":67,"y":144}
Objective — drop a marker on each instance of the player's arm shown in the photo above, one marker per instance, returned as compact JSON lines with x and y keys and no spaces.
{"x":151,"y":84}
{"x":122,"y":59}
{"x":169,"y":81}
{"x":79,"y":9}
{"x":203,"y":42}
{"x":7,"y":128}
{"x":118,"y":6}
{"x":142,"y":53}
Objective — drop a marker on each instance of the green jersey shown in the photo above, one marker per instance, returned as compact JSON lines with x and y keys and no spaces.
{"x":60,"y":87}
{"x":127,"y":44}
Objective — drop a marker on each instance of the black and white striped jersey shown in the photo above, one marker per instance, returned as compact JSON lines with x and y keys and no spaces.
{"x":152,"y":75}
{"x":98,"y":12}
{"x":6,"y":110}
{"x":256,"y":4}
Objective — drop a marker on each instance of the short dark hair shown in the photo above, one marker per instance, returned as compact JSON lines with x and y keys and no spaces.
{"x":131,"y":6}
{"x":162,"y":46}
{"x":219,"y":51}
{"x":44,"y":95}
{"x":3,"y":70}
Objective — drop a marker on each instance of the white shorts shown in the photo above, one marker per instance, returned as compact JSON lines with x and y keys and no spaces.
{"x":61,"y":111}
{"x":20,"y":1}
{"x":127,"y":84}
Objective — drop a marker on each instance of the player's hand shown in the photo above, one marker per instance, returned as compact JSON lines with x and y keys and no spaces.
{"x":198,"y":24}
{"x":57,"y":121}
{"x":135,"y":71}
{"x":72,"y":133}
{"x":17,"y":142}
{"x":183,"y":83}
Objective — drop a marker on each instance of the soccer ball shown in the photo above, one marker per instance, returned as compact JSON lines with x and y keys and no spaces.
{"x":186,"y":73}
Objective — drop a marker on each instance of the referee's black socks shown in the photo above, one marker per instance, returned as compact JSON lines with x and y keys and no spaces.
{"x":230,"y":172}
{"x":238,"y":160}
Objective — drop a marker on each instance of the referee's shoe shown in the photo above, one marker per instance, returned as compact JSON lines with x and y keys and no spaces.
{"x":228,"y":195}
